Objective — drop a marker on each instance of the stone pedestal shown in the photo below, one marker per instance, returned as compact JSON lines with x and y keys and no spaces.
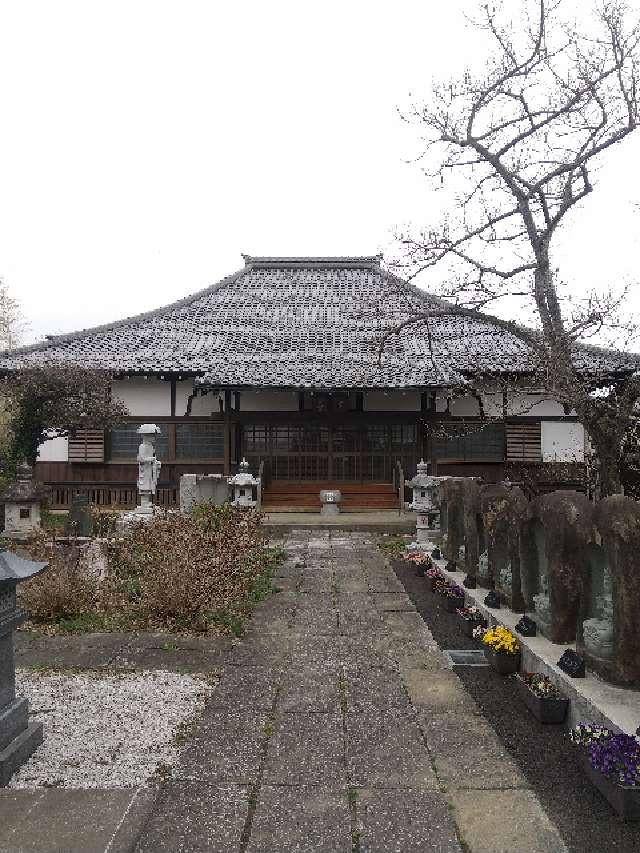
{"x":18,"y":738}
{"x":203,"y":488}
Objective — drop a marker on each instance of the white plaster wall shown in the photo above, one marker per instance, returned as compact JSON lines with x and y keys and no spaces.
{"x":54,"y":450}
{"x":202,"y":405}
{"x":562,"y":442}
{"x":465,"y":407}
{"x":533,"y":404}
{"x":269,"y":401}
{"x":392,"y":401}
{"x":144,"y":397}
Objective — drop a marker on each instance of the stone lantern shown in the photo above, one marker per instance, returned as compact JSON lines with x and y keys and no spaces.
{"x":242,"y":486}
{"x":22,"y":505}
{"x":18,"y":738}
{"x":426,"y":502}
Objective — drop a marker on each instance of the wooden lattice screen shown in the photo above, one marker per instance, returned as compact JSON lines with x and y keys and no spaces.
{"x":524,"y":442}
{"x":87,"y":445}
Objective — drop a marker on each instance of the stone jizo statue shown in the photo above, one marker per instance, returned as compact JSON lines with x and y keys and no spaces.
{"x":148,"y":467}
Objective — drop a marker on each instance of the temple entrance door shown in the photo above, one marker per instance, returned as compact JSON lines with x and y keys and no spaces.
{"x":330,"y":452}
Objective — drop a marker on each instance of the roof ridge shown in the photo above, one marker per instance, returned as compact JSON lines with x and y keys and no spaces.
{"x":326,"y":261}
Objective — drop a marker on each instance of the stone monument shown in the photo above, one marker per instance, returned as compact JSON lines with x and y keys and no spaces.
{"x":22,"y":505}
{"x":452,"y":521}
{"x":242,"y":487}
{"x":203,"y":488}
{"x":611,"y":636}
{"x":562,"y":532}
{"x":504,"y":509}
{"x":18,"y":738}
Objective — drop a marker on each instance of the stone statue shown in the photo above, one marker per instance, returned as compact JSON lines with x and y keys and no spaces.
{"x":562,"y":536}
{"x":148,"y":467}
{"x":597,"y":632}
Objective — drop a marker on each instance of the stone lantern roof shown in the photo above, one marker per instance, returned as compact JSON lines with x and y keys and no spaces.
{"x":14,"y":568}
{"x":24,"y":490}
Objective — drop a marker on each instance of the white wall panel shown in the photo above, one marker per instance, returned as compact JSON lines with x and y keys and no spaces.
{"x":562,"y":442}
{"x":145,"y":397}
{"x":269,"y":401}
{"x":392,"y":401}
{"x":54,"y":450}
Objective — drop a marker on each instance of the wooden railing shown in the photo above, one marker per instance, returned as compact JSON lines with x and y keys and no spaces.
{"x":108,"y":495}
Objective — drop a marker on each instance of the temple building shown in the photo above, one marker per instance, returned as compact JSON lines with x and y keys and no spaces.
{"x":282,"y":363}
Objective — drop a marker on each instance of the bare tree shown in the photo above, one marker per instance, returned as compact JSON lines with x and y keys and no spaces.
{"x":12,"y":322}
{"x":519,"y":143}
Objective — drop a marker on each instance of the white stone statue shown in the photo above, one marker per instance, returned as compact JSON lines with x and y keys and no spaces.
{"x":148,"y":467}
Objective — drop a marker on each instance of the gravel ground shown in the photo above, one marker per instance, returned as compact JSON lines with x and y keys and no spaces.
{"x":112,"y":731}
{"x":583,"y":817}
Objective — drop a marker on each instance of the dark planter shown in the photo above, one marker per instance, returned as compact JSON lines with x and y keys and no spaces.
{"x":544,"y":710}
{"x":420,"y":570}
{"x":623,"y":799}
{"x":469,"y":625}
{"x":453,"y":604}
{"x":503,"y":663}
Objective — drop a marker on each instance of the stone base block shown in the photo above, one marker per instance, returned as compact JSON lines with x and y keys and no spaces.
{"x":14,"y":718}
{"x":19,"y":751}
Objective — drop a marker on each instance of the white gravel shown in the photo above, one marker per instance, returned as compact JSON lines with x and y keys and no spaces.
{"x":112,"y":731}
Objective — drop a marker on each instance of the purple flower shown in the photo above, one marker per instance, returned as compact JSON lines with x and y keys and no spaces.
{"x":618,"y":758}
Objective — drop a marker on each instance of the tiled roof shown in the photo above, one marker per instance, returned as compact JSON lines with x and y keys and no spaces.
{"x":301,"y":323}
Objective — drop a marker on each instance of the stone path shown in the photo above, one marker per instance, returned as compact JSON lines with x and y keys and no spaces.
{"x":336,"y":727}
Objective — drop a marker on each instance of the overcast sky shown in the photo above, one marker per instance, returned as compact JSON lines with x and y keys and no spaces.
{"x":146,"y":144}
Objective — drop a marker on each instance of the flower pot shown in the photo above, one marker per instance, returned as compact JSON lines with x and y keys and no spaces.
{"x":454,"y":603}
{"x":468,"y":626}
{"x":546,"y":710}
{"x":503,"y":663}
{"x":623,"y":799}
{"x":420,"y":570}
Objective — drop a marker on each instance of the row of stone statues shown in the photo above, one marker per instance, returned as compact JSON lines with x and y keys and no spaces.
{"x":574,"y":565}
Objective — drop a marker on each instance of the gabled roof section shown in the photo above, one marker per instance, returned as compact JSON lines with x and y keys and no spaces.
{"x":302,"y":323}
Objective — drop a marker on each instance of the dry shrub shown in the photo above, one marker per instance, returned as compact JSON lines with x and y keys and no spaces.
{"x":185,"y":572}
{"x":66,"y":590}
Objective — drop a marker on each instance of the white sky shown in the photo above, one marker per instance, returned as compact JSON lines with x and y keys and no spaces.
{"x":145,"y":144}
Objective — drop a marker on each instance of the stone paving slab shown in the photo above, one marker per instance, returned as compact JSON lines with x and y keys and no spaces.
{"x":311,"y":689}
{"x":438,"y":692}
{"x":306,"y":749}
{"x":303,"y":819}
{"x":226,"y":747}
{"x":246,"y":687}
{"x":256,"y":648}
{"x":504,"y":822}
{"x":323,"y":620}
{"x":405,"y":822}
{"x":386,"y":750}
{"x":177,"y":660}
{"x":192,"y":817}
{"x":375,"y":689}
{"x":394,"y":601}
{"x":467,"y":752}
{"x":72,"y":821}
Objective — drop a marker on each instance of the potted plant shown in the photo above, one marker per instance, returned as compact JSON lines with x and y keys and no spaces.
{"x":435,"y":578}
{"x":454,"y":598}
{"x":470,"y":618}
{"x":420,"y":560}
{"x":542,"y":697}
{"x":612,"y":763}
{"x":501,"y":650}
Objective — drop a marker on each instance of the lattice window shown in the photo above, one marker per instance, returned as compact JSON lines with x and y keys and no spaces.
{"x":87,"y":445}
{"x":524,"y":442}
{"x":470,"y":442}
